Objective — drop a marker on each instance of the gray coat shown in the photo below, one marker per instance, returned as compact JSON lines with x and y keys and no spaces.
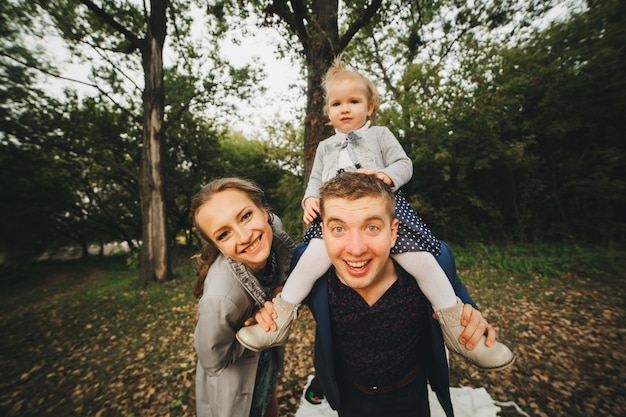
{"x":226,"y":370}
{"x":377,"y":149}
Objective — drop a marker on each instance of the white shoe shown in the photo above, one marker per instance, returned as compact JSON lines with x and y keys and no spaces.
{"x":256,"y":339}
{"x":493,"y":358}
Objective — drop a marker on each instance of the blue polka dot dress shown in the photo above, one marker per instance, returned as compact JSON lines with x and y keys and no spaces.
{"x":413,"y":234}
{"x":315,"y":231}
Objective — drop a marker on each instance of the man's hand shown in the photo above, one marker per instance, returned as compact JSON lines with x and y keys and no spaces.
{"x":475,"y":327}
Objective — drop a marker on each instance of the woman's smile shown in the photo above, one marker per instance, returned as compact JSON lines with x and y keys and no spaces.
{"x":252,"y":248}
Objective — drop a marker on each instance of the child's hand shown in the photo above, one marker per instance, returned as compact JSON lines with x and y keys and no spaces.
{"x":264,"y":317}
{"x":380,"y":175}
{"x":311,"y":208}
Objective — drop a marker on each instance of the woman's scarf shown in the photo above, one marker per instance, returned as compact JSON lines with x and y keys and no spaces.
{"x":261,"y":286}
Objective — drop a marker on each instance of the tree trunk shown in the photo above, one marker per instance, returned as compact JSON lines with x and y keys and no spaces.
{"x":84,"y":246}
{"x":155,"y":263}
{"x":316,"y":127}
{"x":320,"y":49}
{"x":321,"y":43}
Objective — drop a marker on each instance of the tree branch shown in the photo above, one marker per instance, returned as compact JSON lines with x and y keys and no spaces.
{"x":109,"y":20}
{"x":361,"y":21}
{"x":379,"y":62}
{"x":295,"y":20}
{"x":113,"y":65}
{"x":60,"y":77}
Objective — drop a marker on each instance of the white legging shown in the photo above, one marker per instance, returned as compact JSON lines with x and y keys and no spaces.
{"x":423,"y":266}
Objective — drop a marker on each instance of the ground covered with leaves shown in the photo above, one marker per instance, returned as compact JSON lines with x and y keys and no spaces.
{"x":83,"y":338}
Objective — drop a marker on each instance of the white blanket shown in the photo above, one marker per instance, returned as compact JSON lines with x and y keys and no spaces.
{"x":467,"y":402}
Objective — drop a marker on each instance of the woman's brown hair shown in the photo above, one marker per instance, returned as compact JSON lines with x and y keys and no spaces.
{"x":209,"y":251}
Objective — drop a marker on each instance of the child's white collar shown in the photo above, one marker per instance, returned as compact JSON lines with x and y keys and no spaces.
{"x":361,"y":129}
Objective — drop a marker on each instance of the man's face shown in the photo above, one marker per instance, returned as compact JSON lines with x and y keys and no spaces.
{"x":358,"y":236}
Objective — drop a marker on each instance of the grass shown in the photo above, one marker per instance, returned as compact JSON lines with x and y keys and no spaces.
{"x":83,"y":338}
{"x":92,"y":341}
{"x":561,"y":308}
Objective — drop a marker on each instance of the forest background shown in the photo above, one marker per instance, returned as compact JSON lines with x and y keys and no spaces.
{"x":512,"y":112}
{"x":516,"y":128}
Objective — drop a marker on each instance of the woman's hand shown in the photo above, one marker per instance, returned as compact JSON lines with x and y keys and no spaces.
{"x":264,"y":317}
{"x":475,"y":327}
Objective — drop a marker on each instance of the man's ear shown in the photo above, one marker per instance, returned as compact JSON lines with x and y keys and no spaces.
{"x":394,"y":231}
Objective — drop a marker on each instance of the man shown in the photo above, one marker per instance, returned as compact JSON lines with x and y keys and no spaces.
{"x":376,"y":341}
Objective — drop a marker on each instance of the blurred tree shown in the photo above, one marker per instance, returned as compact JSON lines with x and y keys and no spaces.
{"x":119,"y":27}
{"x":32,"y":186}
{"x":94,"y":150}
{"x":99,"y":144}
{"x":33,"y":190}
{"x":119,"y":41}
{"x":463,"y":116}
{"x":413,"y":53}
{"x":323,"y":31}
{"x":394,"y":40}
{"x":284,"y":149}
{"x":518,"y":140}
{"x":569,"y":84}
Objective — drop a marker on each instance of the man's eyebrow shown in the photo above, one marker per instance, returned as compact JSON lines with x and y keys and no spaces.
{"x":339,"y":220}
{"x":333,"y":219}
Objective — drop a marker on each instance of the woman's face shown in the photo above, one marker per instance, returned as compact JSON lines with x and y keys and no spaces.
{"x":238,"y":228}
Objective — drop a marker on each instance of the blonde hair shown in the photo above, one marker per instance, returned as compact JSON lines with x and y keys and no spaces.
{"x":337,"y":72}
{"x":209,"y":251}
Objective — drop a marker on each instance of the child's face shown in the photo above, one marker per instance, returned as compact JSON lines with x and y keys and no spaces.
{"x":348,"y":105}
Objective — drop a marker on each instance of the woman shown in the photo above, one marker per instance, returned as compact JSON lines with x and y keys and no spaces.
{"x":243,"y":263}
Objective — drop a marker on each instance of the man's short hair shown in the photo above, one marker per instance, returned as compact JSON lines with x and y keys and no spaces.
{"x":353,"y":186}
